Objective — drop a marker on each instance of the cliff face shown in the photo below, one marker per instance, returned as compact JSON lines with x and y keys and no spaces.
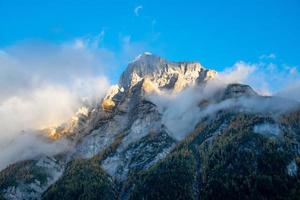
{"x":126,"y":143}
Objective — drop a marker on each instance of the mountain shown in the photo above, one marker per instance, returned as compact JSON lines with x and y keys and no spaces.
{"x":169,"y":130}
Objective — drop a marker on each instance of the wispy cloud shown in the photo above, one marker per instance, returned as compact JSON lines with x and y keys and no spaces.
{"x":137,"y":10}
{"x":90,"y":42}
{"x":268,"y":56}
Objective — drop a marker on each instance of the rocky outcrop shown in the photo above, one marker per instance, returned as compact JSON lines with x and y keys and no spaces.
{"x":237,"y":90}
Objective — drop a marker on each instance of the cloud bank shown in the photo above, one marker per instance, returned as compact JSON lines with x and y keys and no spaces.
{"x":181,"y":112}
{"x":42,"y":84}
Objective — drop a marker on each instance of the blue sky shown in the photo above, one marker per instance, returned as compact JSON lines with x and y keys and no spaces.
{"x":216,"y":33}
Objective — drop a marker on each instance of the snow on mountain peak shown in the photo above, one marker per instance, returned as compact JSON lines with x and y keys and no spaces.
{"x":141,"y":56}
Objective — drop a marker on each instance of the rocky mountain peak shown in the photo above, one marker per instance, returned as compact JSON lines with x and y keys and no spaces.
{"x":165,"y":74}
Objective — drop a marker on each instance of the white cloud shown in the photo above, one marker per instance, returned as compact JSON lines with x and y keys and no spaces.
{"x":268,"y":56}
{"x":29,"y":145}
{"x":91,"y":42}
{"x":266,"y":78}
{"x":180,"y":114}
{"x":22,"y":114}
{"x":43,"y":85}
{"x":237,"y":74}
{"x":137,"y":10}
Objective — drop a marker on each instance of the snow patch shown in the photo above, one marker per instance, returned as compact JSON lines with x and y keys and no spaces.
{"x":140,"y":56}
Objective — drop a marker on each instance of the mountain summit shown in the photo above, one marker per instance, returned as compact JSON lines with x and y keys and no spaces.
{"x":165,"y":74}
{"x":166,"y":131}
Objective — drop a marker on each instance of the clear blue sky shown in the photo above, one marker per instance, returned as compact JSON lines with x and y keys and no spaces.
{"x":217,"y":33}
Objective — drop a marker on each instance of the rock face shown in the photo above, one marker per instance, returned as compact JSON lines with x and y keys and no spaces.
{"x":165,"y":74}
{"x":125,"y":135}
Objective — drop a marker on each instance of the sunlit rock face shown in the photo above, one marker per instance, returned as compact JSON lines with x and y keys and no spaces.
{"x":112,"y":97}
{"x":108,"y":104}
{"x":165,"y":74}
{"x":149,"y":87}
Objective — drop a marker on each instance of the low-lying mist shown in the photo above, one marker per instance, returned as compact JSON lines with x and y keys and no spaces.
{"x":182,"y":111}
